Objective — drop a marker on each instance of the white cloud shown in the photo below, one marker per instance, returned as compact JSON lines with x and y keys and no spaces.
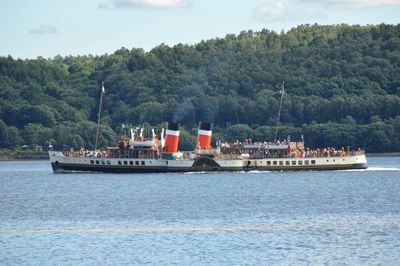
{"x":310,"y":10}
{"x":353,"y":3}
{"x":43,"y":29}
{"x":280,"y":12}
{"x":132,"y":4}
{"x":270,"y":12}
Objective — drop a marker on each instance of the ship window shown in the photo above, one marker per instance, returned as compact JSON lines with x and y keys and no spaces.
{"x":268,"y":162}
{"x":97,"y":162}
{"x":142,"y":162}
{"x":92,"y":161}
{"x":293,"y":162}
{"x":312,"y":161}
{"x":119,"y":162}
{"x":280,"y":162}
{"x":136,"y":162}
{"x":300,"y":162}
{"x":275,"y":162}
{"x":125,"y":162}
{"x":306,"y":162}
{"x":103,"y":162}
{"x":130,"y":162}
{"x":108,"y":162}
{"x":167,"y":162}
{"x":287,"y":162}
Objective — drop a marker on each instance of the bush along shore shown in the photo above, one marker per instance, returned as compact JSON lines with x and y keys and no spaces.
{"x":8,"y":155}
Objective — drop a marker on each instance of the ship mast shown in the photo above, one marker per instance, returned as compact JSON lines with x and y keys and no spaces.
{"x":279,"y":111}
{"x":99,"y":115}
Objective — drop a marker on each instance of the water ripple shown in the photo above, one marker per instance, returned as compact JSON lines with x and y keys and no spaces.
{"x":256,"y":218}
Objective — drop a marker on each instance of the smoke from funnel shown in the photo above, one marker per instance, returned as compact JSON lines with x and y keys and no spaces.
{"x":182,"y":111}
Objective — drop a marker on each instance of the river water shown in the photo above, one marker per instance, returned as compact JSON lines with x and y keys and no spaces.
{"x":256,"y":218}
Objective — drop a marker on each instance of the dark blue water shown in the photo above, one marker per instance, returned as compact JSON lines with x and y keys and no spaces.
{"x":337,"y":217}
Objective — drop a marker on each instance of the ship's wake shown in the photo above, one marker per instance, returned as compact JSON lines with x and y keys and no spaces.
{"x":375,"y":169}
{"x":200,"y":172}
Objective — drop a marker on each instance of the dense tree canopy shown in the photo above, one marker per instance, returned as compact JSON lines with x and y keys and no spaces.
{"x":342,"y":88}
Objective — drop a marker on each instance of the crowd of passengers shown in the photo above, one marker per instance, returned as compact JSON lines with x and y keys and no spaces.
{"x":264,"y":144}
{"x":325,"y":152}
{"x":303,"y":153}
{"x":85,"y":153}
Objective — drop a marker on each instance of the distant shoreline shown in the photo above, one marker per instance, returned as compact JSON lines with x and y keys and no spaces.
{"x":5,"y":158}
{"x":24,"y":156}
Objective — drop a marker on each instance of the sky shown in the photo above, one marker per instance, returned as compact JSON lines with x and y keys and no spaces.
{"x":46,"y":28}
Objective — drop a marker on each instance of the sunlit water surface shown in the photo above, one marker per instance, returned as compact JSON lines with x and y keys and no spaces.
{"x":256,"y":218}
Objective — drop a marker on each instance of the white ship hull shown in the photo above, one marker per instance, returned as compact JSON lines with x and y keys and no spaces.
{"x":62,"y":163}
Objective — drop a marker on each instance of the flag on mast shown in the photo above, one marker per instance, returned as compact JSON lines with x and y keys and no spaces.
{"x":282,"y":91}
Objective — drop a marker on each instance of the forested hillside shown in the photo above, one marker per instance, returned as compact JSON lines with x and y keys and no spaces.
{"x":342,"y":88}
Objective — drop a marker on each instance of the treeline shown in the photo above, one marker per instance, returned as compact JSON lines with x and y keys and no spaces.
{"x":341,"y":82}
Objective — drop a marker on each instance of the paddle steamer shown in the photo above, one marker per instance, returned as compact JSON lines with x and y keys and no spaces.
{"x":159,"y":154}
{"x":137,"y":154}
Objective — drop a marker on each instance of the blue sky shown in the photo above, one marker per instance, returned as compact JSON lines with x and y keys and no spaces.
{"x":31,"y":28}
